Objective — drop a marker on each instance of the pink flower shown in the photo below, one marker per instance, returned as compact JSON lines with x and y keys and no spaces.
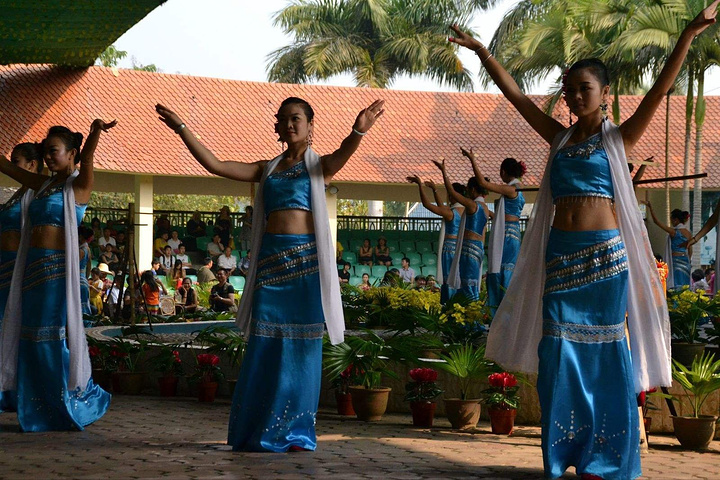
{"x":502,"y":380}
{"x":208,"y":359}
{"x":423,"y":375}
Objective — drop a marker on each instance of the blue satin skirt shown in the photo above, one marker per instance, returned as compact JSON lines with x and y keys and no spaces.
{"x":497,"y":283}
{"x":471,"y":257}
{"x":585,"y":378}
{"x":8,"y":399}
{"x":447,"y":255}
{"x":277,"y":393}
{"x":44,"y":402}
{"x":681,"y":270}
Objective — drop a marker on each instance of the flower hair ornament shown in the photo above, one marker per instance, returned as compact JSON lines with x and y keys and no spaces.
{"x":523,"y":166}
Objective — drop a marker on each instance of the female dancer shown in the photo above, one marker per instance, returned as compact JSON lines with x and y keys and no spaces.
{"x":465,"y":273}
{"x":51,"y":372}
{"x":448,"y":234}
{"x":291,"y":264}
{"x":709,"y":225}
{"x":27,"y":156}
{"x":597,"y":241}
{"x":504,"y":244}
{"x":677,"y":251}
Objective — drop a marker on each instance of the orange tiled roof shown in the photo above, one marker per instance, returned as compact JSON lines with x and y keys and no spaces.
{"x":235,"y":120}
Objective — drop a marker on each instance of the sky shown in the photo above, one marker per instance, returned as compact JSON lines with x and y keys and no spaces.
{"x":231,"y":39}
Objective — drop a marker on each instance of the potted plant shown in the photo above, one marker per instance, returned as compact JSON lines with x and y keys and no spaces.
{"x":341,"y":384}
{"x":225,"y":342}
{"x":467,"y":362}
{"x":167,"y":362}
{"x":128,"y":377}
{"x":502,"y":401}
{"x":696,"y":431}
{"x":688,"y":310}
{"x":646,"y":405}
{"x":421,"y":392}
{"x":207,"y":374}
{"x":101,"y":365}
{"x":370,"y":356}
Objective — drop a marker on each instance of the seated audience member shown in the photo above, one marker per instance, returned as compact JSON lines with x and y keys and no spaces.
{"x":215,"y":248}
{"x":391,"y":278}
{"x":177,"y":275}
{"x":97,"y":230}
{"x":167,"y":261}
{"x":96,"y":291}
{"x":339,"y":254}
{"x":246,"y":228}
{"x":710,"y":278}
{"x":365,"y":254}
{"x":227,"y":261}
{"x":205,"y":274}
{"x":382,"y":252}
{"x":113,"y":295}
{"x":224,"y":225}
{"x":344,"y":274}
{"x":163,"y":224}
{"x":174,"y":241}
{"x":431,"y":284}
{"x":160,"y":244}
{"x":109,"y":257}
{"x":222,"y":295}
{"x":186,"y":299}
{"x":698,"y":281}
{"x":244,"y":264}
{"x":107,"y":239}
{"x":406,"y":273}
{"x":195,"y":226}
{"x":420,"y":282}
{"x":365,"y":285}
{"x":182,"y":256}
{"x":120,"y":243}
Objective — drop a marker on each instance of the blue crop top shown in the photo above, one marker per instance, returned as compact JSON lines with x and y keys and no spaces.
{"x":477,"y":221}
{"x":452,"y":227}
{"x":287,"y":189}
{"x":514,"y":206}
{"x":582,"y":170}
{"x":47,"y":208}
{"x":676,"y":240}
{"x":10,"y":214}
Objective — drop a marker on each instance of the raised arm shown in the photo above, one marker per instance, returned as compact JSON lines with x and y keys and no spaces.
{"x":335,"y":161}
{"x":634,"y":127}
{"x":439,"y":209}
{"x":469,"y":204}
{"x":83,"y":184}
{"x":667,"y":228}
{"x":439,"y":201}
{"x":546,"y":126}
{"x":25,"y":178}
{"x":244,"y":172}
{"x":709,"y":225}
{"x":507,"y":190}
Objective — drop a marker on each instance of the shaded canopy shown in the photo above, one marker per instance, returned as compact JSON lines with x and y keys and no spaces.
{"x":65,"y":32}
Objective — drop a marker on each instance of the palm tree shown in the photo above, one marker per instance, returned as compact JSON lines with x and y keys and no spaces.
{"x":375,"y":40}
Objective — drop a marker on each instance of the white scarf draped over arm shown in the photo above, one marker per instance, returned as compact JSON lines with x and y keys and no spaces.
{"x":329,"y":285}
{"x":516,"y":329}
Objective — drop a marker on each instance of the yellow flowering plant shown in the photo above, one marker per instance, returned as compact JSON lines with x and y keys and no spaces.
{"x":462,"y":320}
{"x":688,"y":310}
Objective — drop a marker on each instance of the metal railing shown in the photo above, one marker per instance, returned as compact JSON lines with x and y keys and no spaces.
{"x":402,"y":224}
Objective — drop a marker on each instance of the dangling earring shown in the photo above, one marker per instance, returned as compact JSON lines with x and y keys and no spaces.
{"x":603,"y":109}
{"x":309,"y":139}
{"x":570,"y":117}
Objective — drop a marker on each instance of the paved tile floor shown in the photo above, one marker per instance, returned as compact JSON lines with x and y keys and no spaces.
{"x":151,"y":437}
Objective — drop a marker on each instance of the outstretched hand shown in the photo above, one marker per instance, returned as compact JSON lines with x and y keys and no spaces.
{"x":469,"y":154}
{"x":366,"y":118}
{"x":704,"y":19}
{"x":463,"y":39}
{"x":414,"y":179}
{"x":168,"y":117}
{"x":430,"y":184}
{"x":102,"y":125}
{"x":440,"y":164}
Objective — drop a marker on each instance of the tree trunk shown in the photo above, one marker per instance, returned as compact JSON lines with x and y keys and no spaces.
{"x":667,"y":158}
{"x":616,"y":105}
{"x":697,"y":190}
{"x":688,"y":139}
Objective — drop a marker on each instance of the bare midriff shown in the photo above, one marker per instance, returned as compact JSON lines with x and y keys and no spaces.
{"x":451,"y":236}
{"x":10,"y":241}
{"x":48,"y":236}
{"x":511,"y":218}
{"x":290,"y":222}
{"x":577,"y":214}
{"x":470,"y":235}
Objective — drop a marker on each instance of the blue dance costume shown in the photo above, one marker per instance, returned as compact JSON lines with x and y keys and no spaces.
{"x":278,"y":390}
{"x":44,"y":402}
{"x":497,"y":283}
{"x":452,"y":228}
{"x":471,"y":254}
{"x":680,"y":260}
{"x":585,"y":377}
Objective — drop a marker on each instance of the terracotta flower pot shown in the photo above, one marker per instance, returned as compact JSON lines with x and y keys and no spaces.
{"x":168,"y":386}
{"x":462,"y":414}
{"x":695,"y":433}
{"x":207,"y":391}
{"x":369,"y":403}
{"x":102,"y":379}
{"x":128,"y":383}
{"x":502,"y":420}
{"x":344,"y":404}
{"x":423,"y":413}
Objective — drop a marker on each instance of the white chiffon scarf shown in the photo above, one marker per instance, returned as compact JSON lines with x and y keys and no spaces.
{"x":454,"y":273}
{"x":496,"y":244}
{"x":329,"y":285}
{"x":441,"y":242}
{"x":670,"y":279}
{"x":517,"y":327}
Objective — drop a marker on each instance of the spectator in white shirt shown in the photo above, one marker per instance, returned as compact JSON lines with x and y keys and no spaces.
{"x":105,"y":239}
{"x":215,"y":248}
{"x":407,"y":274}
{"x":174,"y":241}
{"x":699,"y":282}
{"x":182,"y":256}
{"x":228,"y":261}
{"x":167,"y":261}
{"x":244,"y":265}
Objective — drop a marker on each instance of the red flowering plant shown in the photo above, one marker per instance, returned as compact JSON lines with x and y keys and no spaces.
{"x":422,"y":388}
{"x":126,"y":355}
{"x":502,"y":392}
{"x":346,"y":378}
{"x":207,"y":369}
{"x":167,"y":361}
{"x":99,"y":355}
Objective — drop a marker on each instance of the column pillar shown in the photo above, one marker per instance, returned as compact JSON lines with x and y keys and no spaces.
{"x":143,"y":221}
{"x":331,"y":201}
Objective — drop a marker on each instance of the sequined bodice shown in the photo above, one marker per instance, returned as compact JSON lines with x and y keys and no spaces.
{"x":47,"y":208}
{"x":10,"y":214}
{"x":514,"y":206}
{"x":582,"y":170}
{"x":477,"y":221}
{"x":288,"y":189}
{"x":452,"y":227}
{"x":676,"y":240}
